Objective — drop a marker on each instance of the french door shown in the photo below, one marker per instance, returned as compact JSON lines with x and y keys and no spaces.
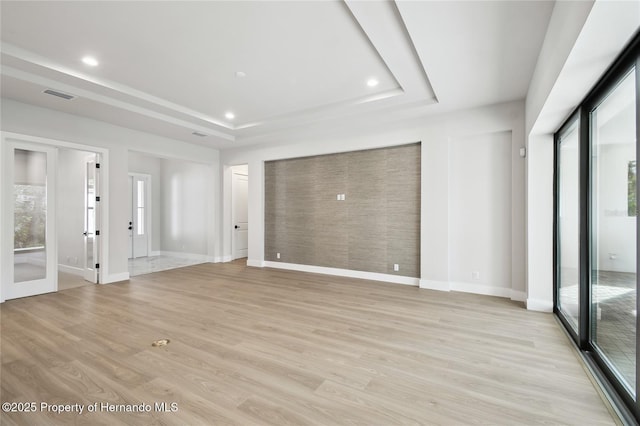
{"x":91,"y":220}
{"x":30,"y":200}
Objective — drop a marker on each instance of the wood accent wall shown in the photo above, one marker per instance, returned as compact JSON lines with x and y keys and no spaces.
{"x":377,"y":225}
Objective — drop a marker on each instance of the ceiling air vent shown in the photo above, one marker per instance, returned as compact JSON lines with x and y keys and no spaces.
{"x":202,"y":135}
{"x":59,"y":94}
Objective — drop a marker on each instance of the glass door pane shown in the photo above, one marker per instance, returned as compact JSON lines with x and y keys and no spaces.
{"x":30,"y":206}
{"x":613,"y":234}
{"x":30,"y":215}
{"x":569,"y":225}
{"x":90,"y":272}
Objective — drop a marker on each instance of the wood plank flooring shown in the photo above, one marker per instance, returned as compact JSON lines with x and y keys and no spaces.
{"x":262,"y":346}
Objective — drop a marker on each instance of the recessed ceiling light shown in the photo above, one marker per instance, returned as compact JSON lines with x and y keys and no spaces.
{"x":240,"y":74}
{"x":372,"y":82}
{"x":90,"y":60}
{"x":230,"y":115}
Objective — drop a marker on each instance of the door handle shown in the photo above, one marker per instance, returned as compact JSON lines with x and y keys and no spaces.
{"x":130,"y":228}
{"x":85,"y":233}
{"x":237,"y":227}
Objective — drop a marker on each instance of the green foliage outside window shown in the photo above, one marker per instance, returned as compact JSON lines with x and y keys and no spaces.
{"x":30,"y":218}
{"x":633,"y":202}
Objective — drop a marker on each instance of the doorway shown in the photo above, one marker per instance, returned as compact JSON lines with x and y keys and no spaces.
{"x":239,"y":211}
{"x":78,"y":218}
{"x":51,"y":226}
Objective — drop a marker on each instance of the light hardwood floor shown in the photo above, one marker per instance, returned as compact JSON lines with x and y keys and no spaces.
{"x":262,"y":346}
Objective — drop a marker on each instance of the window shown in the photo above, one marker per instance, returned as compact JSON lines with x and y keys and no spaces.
{"x":30,"y":216}
{"x":140,"y":208}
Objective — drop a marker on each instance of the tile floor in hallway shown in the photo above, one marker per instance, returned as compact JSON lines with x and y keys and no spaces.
{"x":150,"y":264}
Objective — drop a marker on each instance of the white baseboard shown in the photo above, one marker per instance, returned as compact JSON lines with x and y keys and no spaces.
{"x":114,"y":278}
{"x":374,"y":276}
{"x":256,"y":263}
{"x":474,"y":288}
{"x":519,"y":296}
{"x":71,"y":270}
{"x":477,"y":288}
{"x":227,"y":258}
{"x":435,"y":285}
{"x":540,"y":305}
{"x":155,"y":253}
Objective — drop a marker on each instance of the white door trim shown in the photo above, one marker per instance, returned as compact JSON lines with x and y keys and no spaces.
{"x":5,"y":257}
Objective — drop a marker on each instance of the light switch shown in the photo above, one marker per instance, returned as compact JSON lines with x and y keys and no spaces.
{"x":277,"y":255}
{"x":339,"y":197}
{"x":396,"y":267}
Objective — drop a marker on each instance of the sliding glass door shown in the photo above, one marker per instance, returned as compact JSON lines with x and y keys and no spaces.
{"x":613,"y":242}
{"x":596,"y":228}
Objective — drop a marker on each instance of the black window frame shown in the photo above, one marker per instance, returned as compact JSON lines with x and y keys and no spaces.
{"x":627,"y":60}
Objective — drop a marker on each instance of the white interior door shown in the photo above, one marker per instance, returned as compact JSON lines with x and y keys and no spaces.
{"x":30,"y":192}
{"x":91,"y":220}
{"x":240,"y":215}
{"x":139,"y":226}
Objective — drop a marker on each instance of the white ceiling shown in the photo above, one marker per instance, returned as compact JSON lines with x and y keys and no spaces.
{"x":169,"y":68}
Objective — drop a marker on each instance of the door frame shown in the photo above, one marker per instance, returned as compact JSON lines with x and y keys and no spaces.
{"x":6,"y":255}
{"x":148,"y":211}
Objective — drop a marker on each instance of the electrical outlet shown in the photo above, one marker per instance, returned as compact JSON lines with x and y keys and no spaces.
{"x":396,"y":267}
{"x":277,"y":255}
{"x":475,"y":275}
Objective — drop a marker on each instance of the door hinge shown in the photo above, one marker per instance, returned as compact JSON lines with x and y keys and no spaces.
{"x":98,"y":198}
{"x":97,"y":165}
{"x":97,"y":232}
{"x":97,"y":266}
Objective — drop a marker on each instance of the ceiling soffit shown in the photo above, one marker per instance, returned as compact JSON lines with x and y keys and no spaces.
{"x":375,"y":29}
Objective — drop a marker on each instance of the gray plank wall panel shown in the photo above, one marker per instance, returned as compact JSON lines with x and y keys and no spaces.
{"x":367,"y":210}
{"x":376,"y":226}
{"x":403,"y":211}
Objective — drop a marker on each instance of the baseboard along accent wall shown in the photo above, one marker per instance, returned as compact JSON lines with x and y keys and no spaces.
{"x":357,"y":210}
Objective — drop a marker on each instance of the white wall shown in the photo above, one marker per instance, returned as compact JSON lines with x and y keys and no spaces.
{"x":30,"y":120}
{"x":71,"y":208}
{"x":499,"y":130}
{"x":184,"y":206}
{"x":480,"y":211}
